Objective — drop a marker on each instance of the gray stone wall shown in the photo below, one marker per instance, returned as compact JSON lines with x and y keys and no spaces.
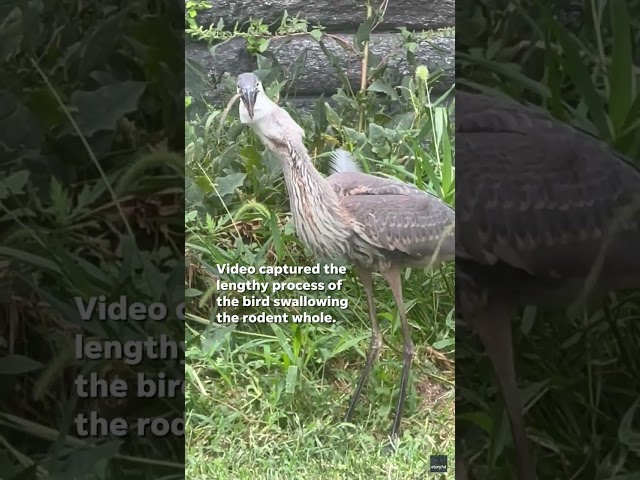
{"x":341,"y":19}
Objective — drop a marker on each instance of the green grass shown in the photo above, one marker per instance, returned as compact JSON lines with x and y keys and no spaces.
{"x":248,"y":413}
{"x":268,"y":401}
{"x":284,"y":389}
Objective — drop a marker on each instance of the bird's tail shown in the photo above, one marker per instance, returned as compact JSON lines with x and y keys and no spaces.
{"x":342,"y":161}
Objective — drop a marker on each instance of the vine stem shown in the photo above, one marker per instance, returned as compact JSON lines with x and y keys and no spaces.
{"x":363,"y":72}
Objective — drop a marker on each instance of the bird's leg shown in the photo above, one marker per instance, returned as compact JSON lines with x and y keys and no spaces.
{"x":493,"y":325}
{"x":461,"y":467}
{"x":395,"y":282}
{"x":376,"y":339}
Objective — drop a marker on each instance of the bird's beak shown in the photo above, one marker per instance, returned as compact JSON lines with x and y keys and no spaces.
{"x":249,"y":97}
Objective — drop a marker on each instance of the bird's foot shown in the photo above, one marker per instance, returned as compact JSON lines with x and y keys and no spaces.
{"x":391,"y":446}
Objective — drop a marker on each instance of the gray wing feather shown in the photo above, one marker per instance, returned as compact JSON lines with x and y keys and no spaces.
{"x":347,"y":179}
{"x":357,"y":183}
{"x":392,"y":215}
{"x":411,"y":224}
{"x":539,"y":195}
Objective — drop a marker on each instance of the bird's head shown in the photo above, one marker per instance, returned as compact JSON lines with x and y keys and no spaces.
{"x":264,"y":116}
{"x":255,"y":103}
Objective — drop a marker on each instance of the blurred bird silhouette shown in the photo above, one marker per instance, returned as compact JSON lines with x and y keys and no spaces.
{"x":547,"y":216}
{"x":376,"y":224}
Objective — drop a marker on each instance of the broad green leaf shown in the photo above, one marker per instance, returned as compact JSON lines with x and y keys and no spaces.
{"x":19,"y":128}
{"x":263,"y":45}
{"x":228,"y":184}
{"x":13,"y":184}
{"x":402,"y":121}
{"x":319,"y":115}
{"x":18,"y":365}
{"x":444,"y":343}
{"x":363,"y":34}
{"x":382,"y":87}
{"x":354,"y":137}
{"x":377,"y":136}
{"x":316,"y":34}
{"x":100,"y":43}
{"x":101,"y":109}
{"x":332,"y":117}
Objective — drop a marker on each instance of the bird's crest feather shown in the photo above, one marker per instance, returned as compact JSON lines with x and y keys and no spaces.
{"x":342,"y":161}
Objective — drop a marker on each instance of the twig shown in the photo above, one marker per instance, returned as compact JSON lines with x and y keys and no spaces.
{"x":363,"y":71}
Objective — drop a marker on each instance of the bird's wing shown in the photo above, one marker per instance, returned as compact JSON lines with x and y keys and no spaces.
{"x":347,"y":179}
{"x":411,"y":224}
{"x":488,"y":113}
{"x":538,"y":195}
{"x":390,"y":214}
{"x":357,"y":183}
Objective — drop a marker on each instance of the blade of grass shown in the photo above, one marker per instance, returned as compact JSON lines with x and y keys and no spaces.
{"x":621,"y":89}
{"x":580,"y":75}
{"x":505,"y":71}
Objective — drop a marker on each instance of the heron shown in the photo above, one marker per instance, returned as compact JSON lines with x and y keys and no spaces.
{"x":547,"y":215}
{"x":375,"y":224}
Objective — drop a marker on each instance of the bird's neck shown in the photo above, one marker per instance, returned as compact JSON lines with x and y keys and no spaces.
{"x":284,"y":137}
{"x":319,"y":219}
{"x":301,"y":177}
